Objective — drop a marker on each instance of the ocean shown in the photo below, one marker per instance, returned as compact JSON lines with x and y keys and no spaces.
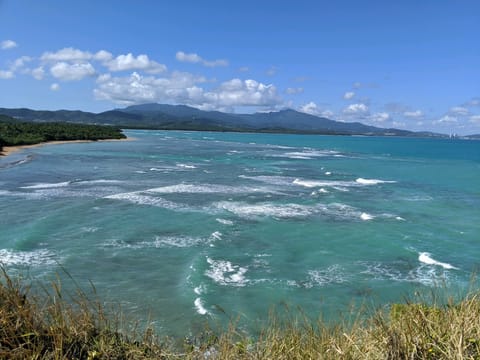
{"x":180,"y":228}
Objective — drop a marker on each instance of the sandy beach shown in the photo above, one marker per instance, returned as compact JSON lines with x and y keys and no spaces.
{"x":7,"y":150}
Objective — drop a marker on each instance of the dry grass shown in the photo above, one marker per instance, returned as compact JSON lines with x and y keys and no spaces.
{"x":52,"y":327}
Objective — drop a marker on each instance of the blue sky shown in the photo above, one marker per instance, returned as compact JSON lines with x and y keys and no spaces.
{"x":405,"y":64}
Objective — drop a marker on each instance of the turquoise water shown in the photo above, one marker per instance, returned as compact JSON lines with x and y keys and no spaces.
{"x":183,"y":227}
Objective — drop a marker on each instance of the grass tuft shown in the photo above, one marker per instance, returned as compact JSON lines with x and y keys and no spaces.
{"x":56,"y":326}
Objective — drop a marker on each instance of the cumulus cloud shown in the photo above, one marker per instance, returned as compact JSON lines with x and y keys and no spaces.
{"x":380,"y":117}
{"x":20,"y":63}
{"x":195,"y":59}
{"x":356,"y":109}
{"x":184,"y":88}
{"x":126,"y":62}
{"x":66,"y":54}
{"x":8,"y":44}
{"x":130,"y":62}
{"x":38,"y":73}
{"x":446,"y":119}
{"x":238,"y":92}
{"x":313,"y":109}
{"x":292,"y":91}
{"x":327,"y":113}
{"x":102,"y":55}
{"x":459,"y":110}
{"x":191,"y":58}
{"x":310,"y":108}
{"x":69,"y":72}
{"x":417,"y":114}
{"x":55,"y":87}
{"x":348,"y":95}
{"x":6,"y":74}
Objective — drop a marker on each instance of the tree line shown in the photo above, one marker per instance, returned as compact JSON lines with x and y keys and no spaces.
{"x":15,"y":133}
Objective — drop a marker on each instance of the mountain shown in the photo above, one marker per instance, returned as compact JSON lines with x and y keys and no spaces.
{"x":282,"y":121}
{"x":182,"y":117}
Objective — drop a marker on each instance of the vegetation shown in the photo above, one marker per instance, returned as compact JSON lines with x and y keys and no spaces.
{"x":181,"y":117}
{"x":14,"y":133}
{"x":53,"y":326}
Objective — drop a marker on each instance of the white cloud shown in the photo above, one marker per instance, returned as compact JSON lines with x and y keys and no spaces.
{"x":103,"y":78}
{"x":75,"y":55}
{"x":55,"y":87}
{"x":20,"y":63}
{"x":356,"y":109}
{"x":195,"y":59}
{"x":380,"y":117}
{"x":327,"y":113}
{"x":292,"y":91}
{"x":446,"y":119}
{"x":69,"y":72}
{"x":6,"y":74}
{"x":417,"y":114}
{"x":459,"y":110}
{"x":103,"y":56}
{"x":130,"y":62}
{"x":8,"y":44}
{"x":66,"y":54}
{"x":178,"y":88}
{"x":190,"y":58}
{"x":244,"y":69}
{"x":475,"y":119}
{"x":183,"y":88}
{"x":348,"y":95}
{"x":236,"y":92}
{"x":38,"y":73}
{"x":310,"y":108}
{"x":16,"y":66}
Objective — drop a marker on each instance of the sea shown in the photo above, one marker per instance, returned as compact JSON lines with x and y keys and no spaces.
{"x":183,"y":228}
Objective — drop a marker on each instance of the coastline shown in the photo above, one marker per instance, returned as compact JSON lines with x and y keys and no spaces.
{"x":8,"y":150}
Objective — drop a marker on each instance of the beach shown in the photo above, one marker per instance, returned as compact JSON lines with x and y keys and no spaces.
{"x":8,"y":150}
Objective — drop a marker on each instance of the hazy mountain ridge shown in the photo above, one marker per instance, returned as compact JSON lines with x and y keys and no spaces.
{"x":182,"y":117}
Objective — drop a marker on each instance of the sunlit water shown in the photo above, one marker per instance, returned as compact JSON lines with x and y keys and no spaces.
{"x":180,"y":227}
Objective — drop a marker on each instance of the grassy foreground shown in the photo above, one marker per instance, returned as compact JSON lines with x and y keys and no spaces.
{"x":50,"y":326}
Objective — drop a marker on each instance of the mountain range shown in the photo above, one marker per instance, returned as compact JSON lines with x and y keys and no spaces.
{"x":182,"y":117}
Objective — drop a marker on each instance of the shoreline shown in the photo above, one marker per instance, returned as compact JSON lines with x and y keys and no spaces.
{"x":8,"y":150}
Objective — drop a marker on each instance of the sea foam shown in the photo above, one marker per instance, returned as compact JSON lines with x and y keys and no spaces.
{"x":334,"y":274}
{"x":426,"y":258}
{"x":373,"y":181}
{"x":46,"y":185}
{"x":27,"y":258}
{"x":138,"y":198}
{"x":199,"y":306}
{"x":246,"y":210}
{"x":225,"y":273}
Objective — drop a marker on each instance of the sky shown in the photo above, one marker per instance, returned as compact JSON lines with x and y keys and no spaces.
{"x":410,"y":64}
